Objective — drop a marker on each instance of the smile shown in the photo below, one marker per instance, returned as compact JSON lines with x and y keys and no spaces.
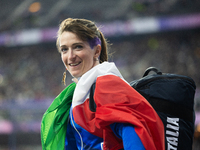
{"x":75,"y":64}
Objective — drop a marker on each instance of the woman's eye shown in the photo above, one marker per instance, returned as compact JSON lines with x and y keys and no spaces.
{"x":63,"y":49}
{"x":79,"y":47}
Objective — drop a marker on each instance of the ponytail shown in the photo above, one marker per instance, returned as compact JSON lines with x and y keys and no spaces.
{"x":104,"y":48}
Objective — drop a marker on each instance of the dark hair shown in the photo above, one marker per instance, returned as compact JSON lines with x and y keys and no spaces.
{"x":85,"y":30}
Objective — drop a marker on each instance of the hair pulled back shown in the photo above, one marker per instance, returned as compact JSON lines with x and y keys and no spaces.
{"x":85,"y":30}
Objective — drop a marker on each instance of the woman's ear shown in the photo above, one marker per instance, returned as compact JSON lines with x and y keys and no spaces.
{"x":97,"y":51}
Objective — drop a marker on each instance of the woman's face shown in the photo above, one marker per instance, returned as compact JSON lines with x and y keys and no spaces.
{"x":77,"y":55}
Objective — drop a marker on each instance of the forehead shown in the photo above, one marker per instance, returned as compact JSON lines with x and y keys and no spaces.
{"x":68,"y":37}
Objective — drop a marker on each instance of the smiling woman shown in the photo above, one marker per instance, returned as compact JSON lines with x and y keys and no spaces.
{"x":86,"y":31}
{"x":70,"y":123}
{"x":81,"y":45}
{"x":77,"y":55}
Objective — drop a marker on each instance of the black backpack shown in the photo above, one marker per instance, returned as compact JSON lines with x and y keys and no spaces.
{"x":172,"y":96}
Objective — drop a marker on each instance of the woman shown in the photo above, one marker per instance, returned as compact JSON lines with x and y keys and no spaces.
{"x":123,"y":118}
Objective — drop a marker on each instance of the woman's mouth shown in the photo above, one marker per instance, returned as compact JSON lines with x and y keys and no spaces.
{"x":74,"y":64}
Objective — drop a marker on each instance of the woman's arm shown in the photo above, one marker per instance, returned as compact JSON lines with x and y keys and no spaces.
{"x":127,"y":133}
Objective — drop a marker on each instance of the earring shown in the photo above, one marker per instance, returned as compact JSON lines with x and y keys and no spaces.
{"x":97,"y":59}
{"x":64,"y":78}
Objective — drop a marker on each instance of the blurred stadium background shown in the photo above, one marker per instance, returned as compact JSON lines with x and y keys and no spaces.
{"x":143,"y":33}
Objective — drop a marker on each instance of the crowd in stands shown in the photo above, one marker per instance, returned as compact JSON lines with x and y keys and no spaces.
{"x":34,"y":73}
{"x":98,"y":11}
{"x":30,"y":74}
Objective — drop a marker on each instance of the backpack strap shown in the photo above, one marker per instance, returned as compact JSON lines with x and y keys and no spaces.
{"x":156,"y":70}
{"x":92,"y":104}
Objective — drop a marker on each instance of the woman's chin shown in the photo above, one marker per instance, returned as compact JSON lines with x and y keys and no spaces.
{"x":76,"y":75}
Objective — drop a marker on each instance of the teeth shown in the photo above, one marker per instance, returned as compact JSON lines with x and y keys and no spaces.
{"x":74,"y":64}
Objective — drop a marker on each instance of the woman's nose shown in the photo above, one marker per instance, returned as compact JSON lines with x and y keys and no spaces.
{"x":71,"y":54}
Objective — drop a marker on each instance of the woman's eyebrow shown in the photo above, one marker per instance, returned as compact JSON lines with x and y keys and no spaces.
{"x":78,"y":43}
{"x":63,"y":46}
{"x":73,"y":44}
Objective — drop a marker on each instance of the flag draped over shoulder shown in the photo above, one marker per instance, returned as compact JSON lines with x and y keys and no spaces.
{"x":54,"y":121}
